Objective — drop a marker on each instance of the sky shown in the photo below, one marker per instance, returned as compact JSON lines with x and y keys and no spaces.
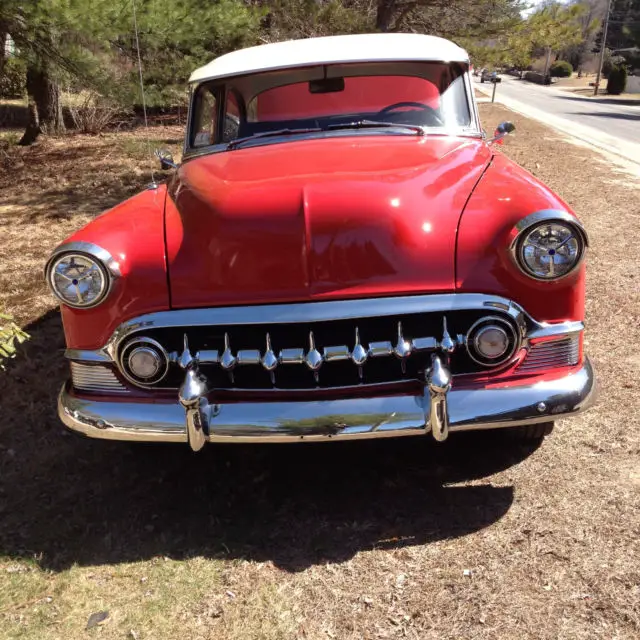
{"x":534,"y":4}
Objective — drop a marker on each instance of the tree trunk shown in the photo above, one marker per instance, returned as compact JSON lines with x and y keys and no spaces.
{"x":33,"y":126}
{"x":384,"y":14}
{"x":3,"y":40}
{"x":45,"y":108}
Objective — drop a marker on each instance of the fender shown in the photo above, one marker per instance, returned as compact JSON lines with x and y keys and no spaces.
{"x":133,"y":233}
{"x":505,"y":194}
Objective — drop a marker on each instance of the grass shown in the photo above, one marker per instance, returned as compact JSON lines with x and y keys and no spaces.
{"x":472,"y":539}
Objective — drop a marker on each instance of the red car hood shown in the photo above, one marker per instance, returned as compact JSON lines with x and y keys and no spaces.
{"x":323,"y":218}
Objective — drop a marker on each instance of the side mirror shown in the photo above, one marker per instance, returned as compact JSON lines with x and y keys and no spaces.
{"x":502,"y":130}
{"x":166,"y":159}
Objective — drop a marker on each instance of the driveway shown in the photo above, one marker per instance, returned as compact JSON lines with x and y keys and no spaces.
{"x":603,"y":121}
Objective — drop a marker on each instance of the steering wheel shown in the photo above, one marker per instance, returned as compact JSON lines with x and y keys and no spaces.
{"x":411,"y":105}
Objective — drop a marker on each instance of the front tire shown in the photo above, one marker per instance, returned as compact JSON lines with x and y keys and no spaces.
{"x":531,"y":432}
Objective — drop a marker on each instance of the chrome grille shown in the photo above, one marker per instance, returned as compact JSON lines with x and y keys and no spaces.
{"x":96,"y":378}
{"x":552,"y":353}
{"x":322,"y":354}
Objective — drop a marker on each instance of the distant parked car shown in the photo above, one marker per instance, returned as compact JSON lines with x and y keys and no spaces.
{"x":489,"y":76}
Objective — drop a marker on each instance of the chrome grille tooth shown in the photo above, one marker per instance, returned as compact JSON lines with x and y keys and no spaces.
{"x":269,"y":360}
{"x":377,"y":349}
{"x":424,"y":344}
{"x":447,"y":343}
{"x":291,"y":356}
{"x":248,"y":356}
{"x":209,"y":356}
{"x":185,"y":359}
{"x":336,"y":353}
{"x":403,"y":347}
{"x":313,"y":359}
{"x":228,"y":360}
{"x":359,"y":354}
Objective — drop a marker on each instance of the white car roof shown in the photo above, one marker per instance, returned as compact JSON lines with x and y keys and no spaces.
{"x":370,"y":47}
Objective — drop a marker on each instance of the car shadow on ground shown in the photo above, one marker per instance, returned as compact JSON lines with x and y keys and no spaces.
{"x":67,"y":500}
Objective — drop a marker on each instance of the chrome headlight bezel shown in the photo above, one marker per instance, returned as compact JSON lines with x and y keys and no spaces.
{"x":530,"y":223}
{"x":109,"y":270}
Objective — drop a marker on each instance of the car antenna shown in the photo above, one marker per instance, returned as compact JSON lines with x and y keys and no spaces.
{"x":154,"y":184}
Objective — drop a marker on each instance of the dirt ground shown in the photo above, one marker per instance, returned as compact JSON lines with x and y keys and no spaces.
{"x":476,"y":538}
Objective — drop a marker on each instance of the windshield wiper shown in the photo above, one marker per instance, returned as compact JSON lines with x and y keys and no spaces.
{"x":268,"y":134}
{"x":371,"y":124}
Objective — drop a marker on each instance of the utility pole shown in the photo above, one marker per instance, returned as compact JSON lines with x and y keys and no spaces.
{"x":602,"y":49}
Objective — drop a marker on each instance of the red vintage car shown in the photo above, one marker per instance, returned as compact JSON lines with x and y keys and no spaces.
{"x":342,"y":253}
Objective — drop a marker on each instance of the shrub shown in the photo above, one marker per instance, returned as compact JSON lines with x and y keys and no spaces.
{"x":617,"y":82}
{"x":94,"y":114}
{"x":10,"y":334}
{"x":610,"y":61}
{"x":561,"y":69}
{"x":13,"y":79}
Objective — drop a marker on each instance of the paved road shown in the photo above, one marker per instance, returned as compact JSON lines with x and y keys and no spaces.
{"x":609,"y":122}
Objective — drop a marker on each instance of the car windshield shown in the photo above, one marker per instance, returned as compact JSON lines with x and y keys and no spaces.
{"x":388,"y":98}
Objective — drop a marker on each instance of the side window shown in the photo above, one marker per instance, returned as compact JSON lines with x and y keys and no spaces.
{"x":205,"y":118}
{"x":231,"y":118}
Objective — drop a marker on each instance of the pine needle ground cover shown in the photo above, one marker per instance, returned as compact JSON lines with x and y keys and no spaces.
{"x":477,"y":538}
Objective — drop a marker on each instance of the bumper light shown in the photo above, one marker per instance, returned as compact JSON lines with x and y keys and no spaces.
{"x":492,"y":341}
{"x":144,"y":361}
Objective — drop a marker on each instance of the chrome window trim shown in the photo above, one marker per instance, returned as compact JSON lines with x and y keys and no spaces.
{"x":540,"y":217}
{"x":473,"y":103}
{"x":323,"y":311}
{"x":457,"y":132}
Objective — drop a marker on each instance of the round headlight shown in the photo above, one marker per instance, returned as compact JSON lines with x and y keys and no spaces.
{"x":78,"y":279}
{"x":550,"y":250}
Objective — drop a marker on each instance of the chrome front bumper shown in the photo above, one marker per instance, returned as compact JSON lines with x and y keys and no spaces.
{"x":461,"y":410}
